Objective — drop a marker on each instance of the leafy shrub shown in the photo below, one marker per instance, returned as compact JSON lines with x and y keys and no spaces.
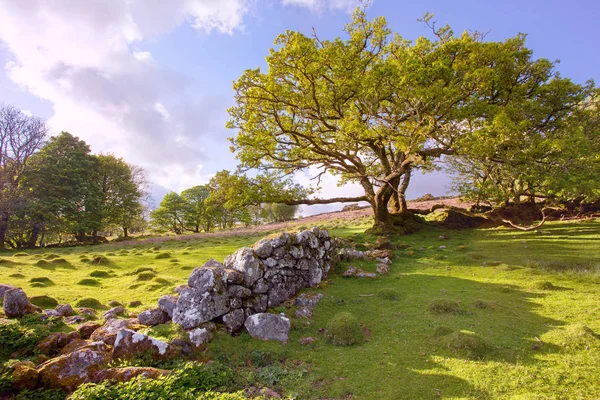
{"x":88,"y":282}
{"x":162,"y":255}
{"x":16,"y":335}
{"x":42,"y":280}
{"x":89,"y":302}
{"x":444,"y":306}
{"x":185,"y":383}
{"x":389,"y":294}
{"x":344,"y":330}
{"x":44,"y":301}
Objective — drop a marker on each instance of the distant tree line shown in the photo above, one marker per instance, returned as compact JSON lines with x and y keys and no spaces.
{"x":229,"y":199}
{"x":56,"y":190}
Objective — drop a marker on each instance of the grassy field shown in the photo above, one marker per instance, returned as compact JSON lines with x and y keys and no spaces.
{"x":491,"y":314}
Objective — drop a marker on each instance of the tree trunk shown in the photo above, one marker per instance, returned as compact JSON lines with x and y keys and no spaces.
{"x":4,"y":216}
{"x":35,"y":233}
{"x":125,"y":232}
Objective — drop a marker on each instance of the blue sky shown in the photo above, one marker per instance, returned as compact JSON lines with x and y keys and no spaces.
{"x":151,"y":80}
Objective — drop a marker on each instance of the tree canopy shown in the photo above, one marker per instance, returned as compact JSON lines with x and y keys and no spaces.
{"x":372,"y":107}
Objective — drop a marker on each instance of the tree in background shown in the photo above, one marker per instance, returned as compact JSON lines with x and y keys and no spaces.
{"x":21,"y":136}
{"x":373,"y":107}
{"x":534,"y":157}
{"x":65,"y":180}
{"x":170,"y":215}
{"x":198,"y":214}
{"x":123,"y":189}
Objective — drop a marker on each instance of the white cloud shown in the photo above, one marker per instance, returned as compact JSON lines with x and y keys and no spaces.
{"x":83,"y":57}
{"x":319,"y":5}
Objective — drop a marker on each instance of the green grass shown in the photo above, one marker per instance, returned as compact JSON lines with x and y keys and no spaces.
{"x":511,"y":338}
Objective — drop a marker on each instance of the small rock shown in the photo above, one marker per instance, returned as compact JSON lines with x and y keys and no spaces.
{"x":364,"y":274}
{"x":167,"y":303}
{"x":442,"y":247}
{"x":3,"y":289}
{"x":114,"y":303}
{"x":108,"y":332}
{"x":135,"y":303}
{"x":65,"y":310}
{"x":90,"y":312}
{"x":308,"y":300}
{"x":350,"y":272}
{"x":24,"y":375}
{"x":75,"y":319}
{"x":183,"y":346}
{"x":234,"y":321}
{"x":129,"y":343}
{"x":382,"y":269}
{"x":303,"y":312}
{"x":233,"y":276}
{"x":153,"y":316}
{"x":113,"y":312}
{"x":69,"y":371}
{"x":307,"y":340}
{"x":268,"y":327}
{"x":56,"y":341}
{"x":80,"y":344}
{"x":16,"y":304}
{"x":199,"y":336}
{"x":443,"y":237}
{"x":52,"y":313}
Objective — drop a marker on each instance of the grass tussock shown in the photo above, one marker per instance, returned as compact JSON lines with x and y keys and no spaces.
{"x":344,"y":330}
{"x":90,"y":302}
{"x":466,"y":344}
{"x":440,"y":331}
{"x":89,"y":282}
{"x":100,"y":274}
{"x":146,"y":276}
{"x":389,"y":294}
{"x":21,"y":254}
{"x":42,"y":280}
{"x":17,"y":276}
{"x":543,"y":285}
{"x":444,"y":306}
{"x":43,"y":302}
{"x":574,"y":337}
{"x":161,"y":256}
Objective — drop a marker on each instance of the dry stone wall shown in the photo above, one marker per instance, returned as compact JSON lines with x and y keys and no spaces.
{"x":252,"y":279}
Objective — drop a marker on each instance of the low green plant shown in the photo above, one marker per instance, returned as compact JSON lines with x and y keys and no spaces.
{"x":19,"y":335}
{"x":344,"y":330}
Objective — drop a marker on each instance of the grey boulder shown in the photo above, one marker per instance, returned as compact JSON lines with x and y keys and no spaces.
{"x":268,"y":327}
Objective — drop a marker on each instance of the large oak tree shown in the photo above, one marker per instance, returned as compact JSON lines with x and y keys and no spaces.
{"x":373,"y":107}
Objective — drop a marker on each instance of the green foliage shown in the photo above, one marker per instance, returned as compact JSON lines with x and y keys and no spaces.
{"x":20,"y":335}
{"x":344,"y":330}
{"x":41,"y":394}
{"x":187,"y":382}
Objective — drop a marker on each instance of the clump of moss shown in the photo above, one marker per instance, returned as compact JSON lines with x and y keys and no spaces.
{"x":17,"y":276}
{"x":442,"y":331}
{"x":543,"y":285}
{"x":50,"y":256}
{"x":42,"y":263}
{"x":344,"y":330}
{"x":90,"y":302}
{"x":146,"y":276}
{"x":389,"y":294}
{"x":166,"y":332}
{"x":89,"y":282}
{"x":160,"y":256}
{"x":100,"y":274}
{"x":444,"y":306}
{"x":59,"y":261}
{"x":173,"y":260}
{"x":21,"y":254}
{"x":44,"y":301}
{"x":467,"y":345}
{"x":42,"y":280}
